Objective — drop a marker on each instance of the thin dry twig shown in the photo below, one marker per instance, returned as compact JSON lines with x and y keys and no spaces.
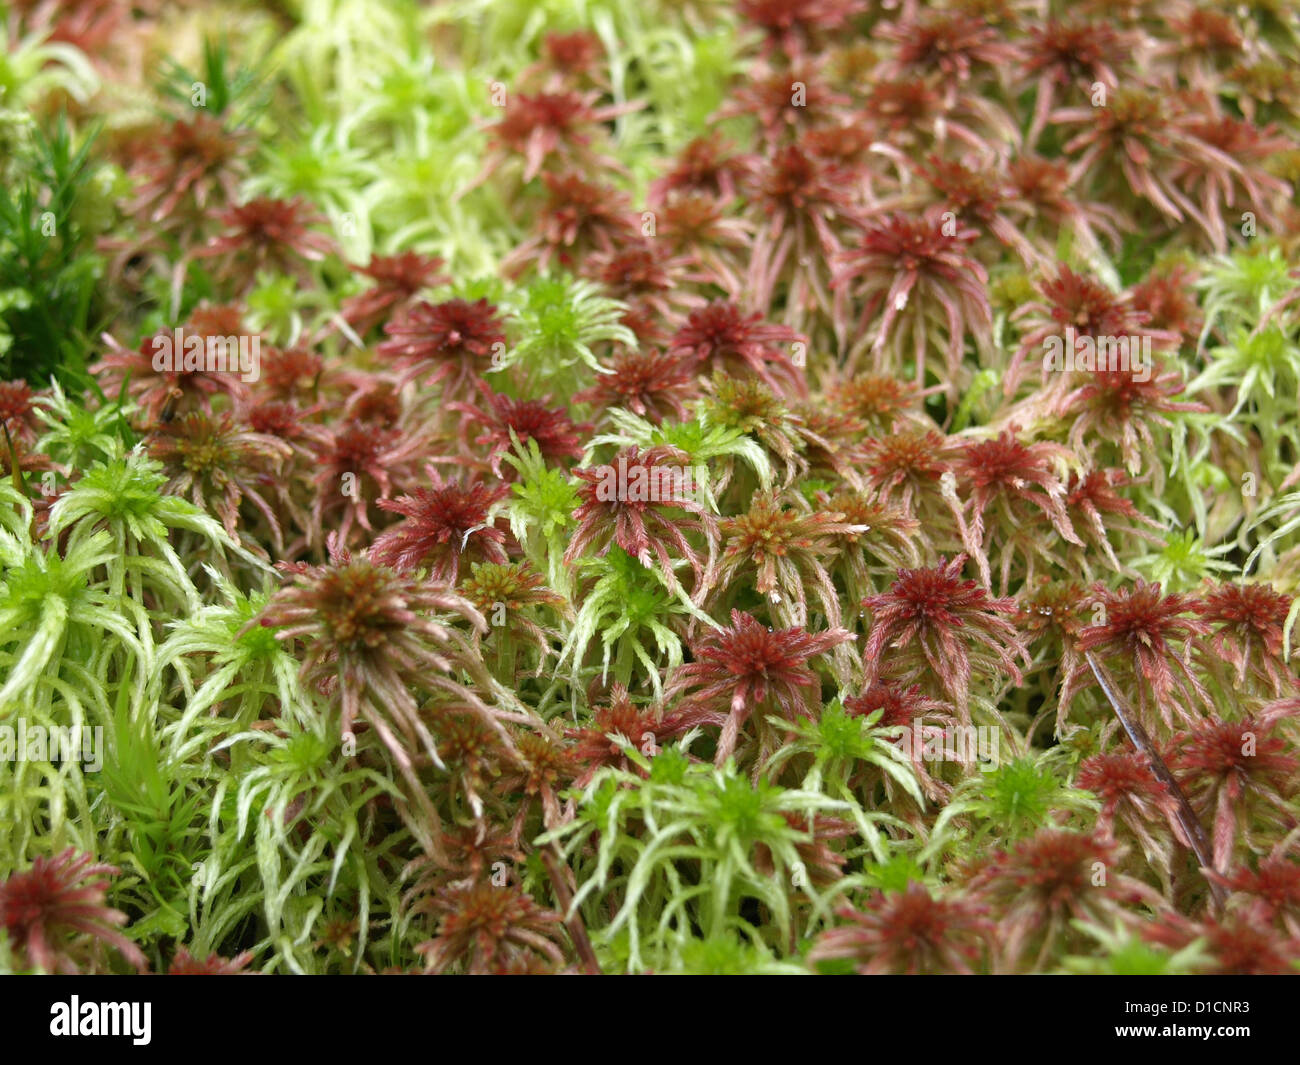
{"x":1187,"y":818}
{"x":572,"y":919}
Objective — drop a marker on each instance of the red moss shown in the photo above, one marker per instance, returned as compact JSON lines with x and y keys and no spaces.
{"x":443,"y":525}
{"x":48,"y":908}
{"x":743,"y":669}
{"x":908,"y":932}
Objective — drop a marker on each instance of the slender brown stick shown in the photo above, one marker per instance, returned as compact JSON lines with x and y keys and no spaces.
{"x":1187,"y":818}
{"x":15,"y":469}
{"x":572,"y":921}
